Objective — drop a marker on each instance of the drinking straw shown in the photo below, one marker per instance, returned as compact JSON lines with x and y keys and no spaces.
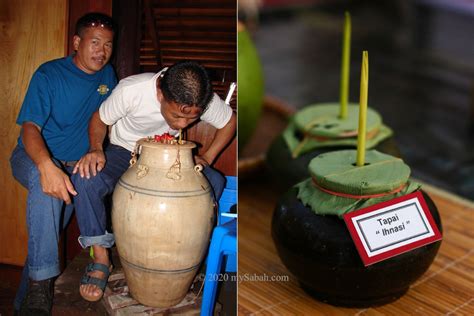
{"x":346,"y":53}
{"x":364,"y":87}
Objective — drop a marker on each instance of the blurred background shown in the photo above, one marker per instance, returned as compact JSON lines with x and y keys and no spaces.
{"x":421,"y":73}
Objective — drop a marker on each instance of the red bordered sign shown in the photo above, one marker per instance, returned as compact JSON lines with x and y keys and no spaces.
{"x":392,"y":227}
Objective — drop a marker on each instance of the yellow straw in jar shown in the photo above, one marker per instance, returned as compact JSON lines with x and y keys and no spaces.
{"x":345,"y":64}
{"x":364,"y":87}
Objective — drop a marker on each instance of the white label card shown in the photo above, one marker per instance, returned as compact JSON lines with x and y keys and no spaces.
{"x":387,"y":229}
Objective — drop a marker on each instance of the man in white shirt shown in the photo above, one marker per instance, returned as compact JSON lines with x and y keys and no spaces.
{"x":140,"y":106}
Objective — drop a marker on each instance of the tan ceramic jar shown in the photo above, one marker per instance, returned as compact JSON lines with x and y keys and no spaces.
{"x":162,"y":218}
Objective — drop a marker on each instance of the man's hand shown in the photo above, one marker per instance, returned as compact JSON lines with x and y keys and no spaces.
{"x":55,"y":182}
{"x":201,"y":160}
{"x":92,"y":162}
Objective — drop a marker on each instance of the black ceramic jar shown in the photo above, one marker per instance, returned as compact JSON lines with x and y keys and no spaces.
{"x":315,"y":245}
{"x":319,"y":251}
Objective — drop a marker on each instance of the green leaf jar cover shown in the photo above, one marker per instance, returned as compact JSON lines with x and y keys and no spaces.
{"x":318,"y":129}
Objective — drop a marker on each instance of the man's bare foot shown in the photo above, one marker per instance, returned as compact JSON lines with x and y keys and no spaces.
{"x":89,"y":288}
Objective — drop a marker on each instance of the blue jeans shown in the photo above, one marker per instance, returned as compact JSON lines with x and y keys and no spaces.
{"x":46,"y":216}
{"x":89,"y":202}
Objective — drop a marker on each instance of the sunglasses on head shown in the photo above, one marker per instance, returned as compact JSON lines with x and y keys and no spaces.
{"x":99,"y":23}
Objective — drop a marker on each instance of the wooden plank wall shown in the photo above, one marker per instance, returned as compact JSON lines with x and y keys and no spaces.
{"x":32,"y":32}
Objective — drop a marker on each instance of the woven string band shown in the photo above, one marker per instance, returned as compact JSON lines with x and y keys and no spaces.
{"x":371,"y":134}
{"x":358,"y":197}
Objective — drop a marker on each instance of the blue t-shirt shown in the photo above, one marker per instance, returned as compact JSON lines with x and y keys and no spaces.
{"x":61,"y":99}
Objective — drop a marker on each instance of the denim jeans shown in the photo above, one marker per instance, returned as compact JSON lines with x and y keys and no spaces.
{"x":89,"y":202}
{"x":46,"y":216}
{"x":216,"y":180}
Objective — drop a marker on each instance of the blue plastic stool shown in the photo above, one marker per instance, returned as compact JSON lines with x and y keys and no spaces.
{"x":223,"y":246}
{"x":227,"y":200}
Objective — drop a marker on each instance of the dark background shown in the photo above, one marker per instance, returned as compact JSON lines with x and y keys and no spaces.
{"x":421,"y":72}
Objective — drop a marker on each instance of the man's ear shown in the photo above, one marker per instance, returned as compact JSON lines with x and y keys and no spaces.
{"x":75,"y":42}
{"x":184,"y":108}
{"x":159,"y":94}
{"x":187,"y":109}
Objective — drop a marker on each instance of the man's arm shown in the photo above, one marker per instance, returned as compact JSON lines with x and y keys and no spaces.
{"x":94,"y":160}
{"x":221,"y":139}
{"x":54,"y":181}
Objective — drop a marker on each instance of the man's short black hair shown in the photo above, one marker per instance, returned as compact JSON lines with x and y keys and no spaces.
{"x":94,"y":19}
{"x":187,"y":83}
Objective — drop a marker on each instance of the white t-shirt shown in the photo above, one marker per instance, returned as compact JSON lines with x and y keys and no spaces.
{"x":134,"y":111}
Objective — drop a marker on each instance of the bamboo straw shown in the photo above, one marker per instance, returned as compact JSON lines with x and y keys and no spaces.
{"x":346,"y":53}
{"x":364,"y":87}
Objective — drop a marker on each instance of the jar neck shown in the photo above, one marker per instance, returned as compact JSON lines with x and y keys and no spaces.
{"x":163,"y":157}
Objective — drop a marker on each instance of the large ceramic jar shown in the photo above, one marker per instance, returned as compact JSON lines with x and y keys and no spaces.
{"x":318,"y":129}
{"x":162,"y":218}
{"x":315,"y":245}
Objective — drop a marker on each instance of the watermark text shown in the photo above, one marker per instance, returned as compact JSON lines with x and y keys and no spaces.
{"x":247,"y":277}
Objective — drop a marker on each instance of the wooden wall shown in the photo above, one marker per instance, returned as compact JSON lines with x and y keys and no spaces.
{"x":31,"y":32}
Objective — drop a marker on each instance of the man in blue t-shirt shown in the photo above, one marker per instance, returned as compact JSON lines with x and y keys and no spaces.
{"x":54,"y":117}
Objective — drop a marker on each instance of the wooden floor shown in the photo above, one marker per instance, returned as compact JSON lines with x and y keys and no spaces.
{"x":117,"y":300}
{"x":447,"y":288}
